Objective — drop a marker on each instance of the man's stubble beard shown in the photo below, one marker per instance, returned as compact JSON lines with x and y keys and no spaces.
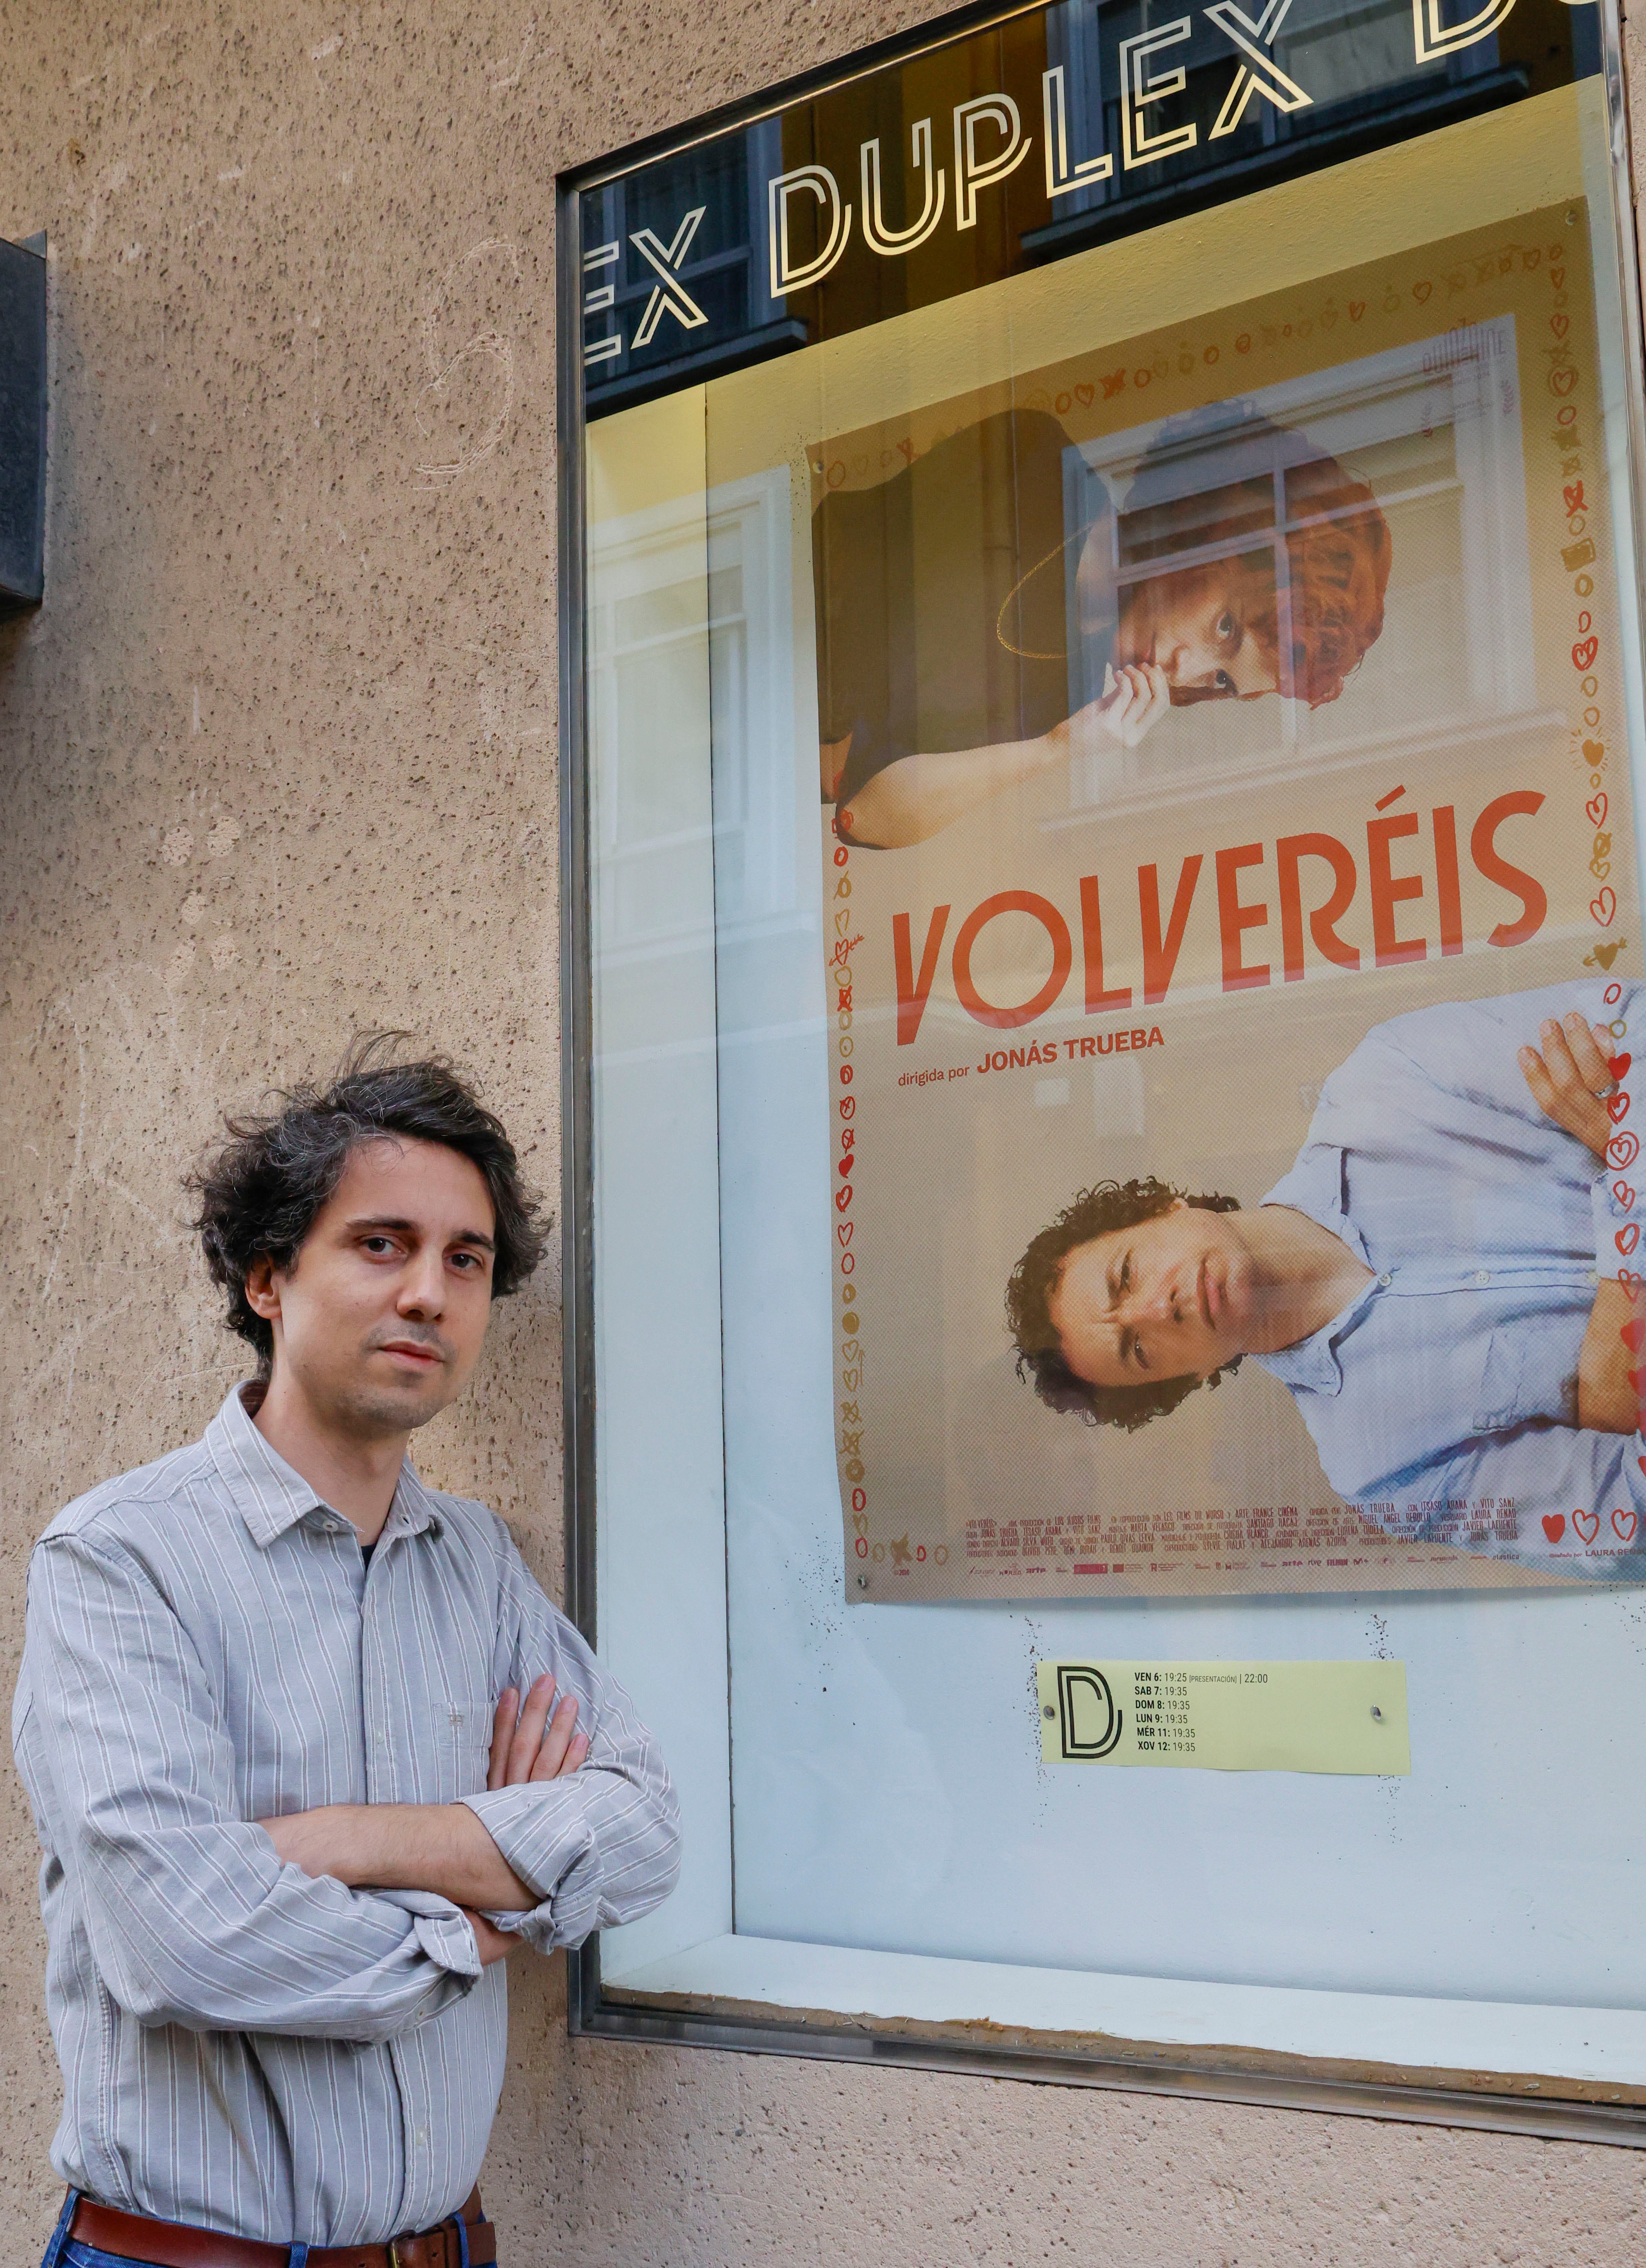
{"x":367,"y":1411}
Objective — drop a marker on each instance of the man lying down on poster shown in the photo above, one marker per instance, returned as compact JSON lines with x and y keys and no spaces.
{"x":1437,"y":1280}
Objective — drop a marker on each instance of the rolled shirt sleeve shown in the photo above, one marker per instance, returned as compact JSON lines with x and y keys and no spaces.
{"x":598,"y":1846}
{"x":192,"y":1917}
{"x":1450,"y":1384}
{"x":1593,"y":1482}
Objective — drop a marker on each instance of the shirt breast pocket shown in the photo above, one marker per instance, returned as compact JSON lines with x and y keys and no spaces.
{"x":1501,"y":1379}
{"x":462,"y":1747}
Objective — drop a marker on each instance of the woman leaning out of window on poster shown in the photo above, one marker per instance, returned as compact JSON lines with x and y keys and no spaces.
{"x":946,"y":611}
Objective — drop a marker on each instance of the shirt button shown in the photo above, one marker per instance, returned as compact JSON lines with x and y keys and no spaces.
{"x":1482,"y":1275}
{"x":1385,"y":1281}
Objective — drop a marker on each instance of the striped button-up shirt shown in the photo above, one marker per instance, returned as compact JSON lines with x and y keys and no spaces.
{"x":244,"y":2046}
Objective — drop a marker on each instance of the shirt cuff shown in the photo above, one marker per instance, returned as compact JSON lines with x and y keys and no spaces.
{"x":443,"y":1930}
{"x":541,"y":1830}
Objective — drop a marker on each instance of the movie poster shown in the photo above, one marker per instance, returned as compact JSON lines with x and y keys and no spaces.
{"x":1232,"y":947}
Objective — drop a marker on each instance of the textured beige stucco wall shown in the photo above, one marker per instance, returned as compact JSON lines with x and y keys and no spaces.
{"x":278,"y":760}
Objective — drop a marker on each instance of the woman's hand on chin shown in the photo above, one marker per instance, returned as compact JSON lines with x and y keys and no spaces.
{"x":1134,"y":698}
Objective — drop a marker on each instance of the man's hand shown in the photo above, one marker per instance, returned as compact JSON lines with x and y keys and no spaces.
{"x":538,"y":1746}
{"x":1570,"y":1081}
{"x":442,"y":1847}
{"x":1606,"y":1400}
{"x":492,"y":1943}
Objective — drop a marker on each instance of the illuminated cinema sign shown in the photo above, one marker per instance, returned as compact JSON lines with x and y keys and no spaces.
{"x":995,"y":149}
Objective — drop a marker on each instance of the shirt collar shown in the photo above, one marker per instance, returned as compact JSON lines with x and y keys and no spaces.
{"x":1314,"y":1187}
{"x":1311,"y":1364}
{"x":270,"y":1495}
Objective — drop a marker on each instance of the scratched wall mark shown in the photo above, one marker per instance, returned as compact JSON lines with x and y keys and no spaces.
{"x":108,"y":183}
{"x":469,"y":395}
{"x":500,"y":85}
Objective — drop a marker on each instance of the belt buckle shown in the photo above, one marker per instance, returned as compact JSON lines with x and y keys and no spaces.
{"x":398,"y":2259}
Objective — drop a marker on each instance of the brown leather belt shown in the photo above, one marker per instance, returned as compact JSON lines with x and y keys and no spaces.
{"x":179,"y":2245}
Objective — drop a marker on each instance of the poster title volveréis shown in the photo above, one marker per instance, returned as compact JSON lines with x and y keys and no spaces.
{"x":1398,"y":898}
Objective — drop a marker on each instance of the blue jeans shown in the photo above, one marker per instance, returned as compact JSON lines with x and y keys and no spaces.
{"x":63,"y":2252}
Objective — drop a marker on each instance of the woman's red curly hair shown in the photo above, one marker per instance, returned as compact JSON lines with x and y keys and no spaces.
{"x":1338,"y":552}
{"x":1339,"y":560}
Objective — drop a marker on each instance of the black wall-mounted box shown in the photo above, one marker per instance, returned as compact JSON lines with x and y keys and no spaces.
{"x":22,"y":425}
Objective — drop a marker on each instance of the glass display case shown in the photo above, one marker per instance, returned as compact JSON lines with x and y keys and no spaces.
{"x":1102,"y":705}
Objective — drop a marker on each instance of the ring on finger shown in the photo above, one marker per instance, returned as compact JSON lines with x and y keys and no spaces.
{"x":1604,"y":1094}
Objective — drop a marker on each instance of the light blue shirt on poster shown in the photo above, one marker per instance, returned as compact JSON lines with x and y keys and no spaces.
{"x":1443,"y":1400}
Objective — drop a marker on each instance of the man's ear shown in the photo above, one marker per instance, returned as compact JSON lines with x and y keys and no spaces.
{"x":262,"y":1293}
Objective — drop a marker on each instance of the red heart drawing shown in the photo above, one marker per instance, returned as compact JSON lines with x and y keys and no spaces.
{"x":1554,"y":1526}
{"x":1622,"y":1150}
{"x":1574,"y":498}
{"x":1559,"y":325}
{"x":1562,"y":381}
{"x":1632,"y":1334}
{"x":1594,"y":752}
{"x":1357,"y":308}
{"x":1584,"y":652}
{"x":1420,"y":292}
{"x":1625,"y":1522}
{"x":843,"y":1230}
{"x":1625,"y":1196}
{"x":1083,"y":395}
{"x":1590,"y":1531}
{"x":1597,"y":808}
{"x":1557,"y":278}
{"x":1629,"y":1283}
{"x":1636,"y":1377}
{"x":1618,"y":1065}
{"x":1604,"y":908}
{"x":1627,"y":1238}
{"x":1641,"y":1462}
{"x":1618,"y":1107}
{"x":845,"y":1167}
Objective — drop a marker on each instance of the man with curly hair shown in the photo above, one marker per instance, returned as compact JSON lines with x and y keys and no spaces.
{"x":1436,"y":1280}
{"x":310,"y":1753}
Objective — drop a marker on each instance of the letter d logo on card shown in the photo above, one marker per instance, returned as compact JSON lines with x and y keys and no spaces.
{"x":1089,"y":1723}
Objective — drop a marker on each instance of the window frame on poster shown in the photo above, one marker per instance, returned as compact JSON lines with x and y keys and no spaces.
{"x":1367,"y":2082}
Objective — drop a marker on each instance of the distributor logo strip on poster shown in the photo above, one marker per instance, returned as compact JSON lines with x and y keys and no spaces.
{"x":1232,"y":950}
